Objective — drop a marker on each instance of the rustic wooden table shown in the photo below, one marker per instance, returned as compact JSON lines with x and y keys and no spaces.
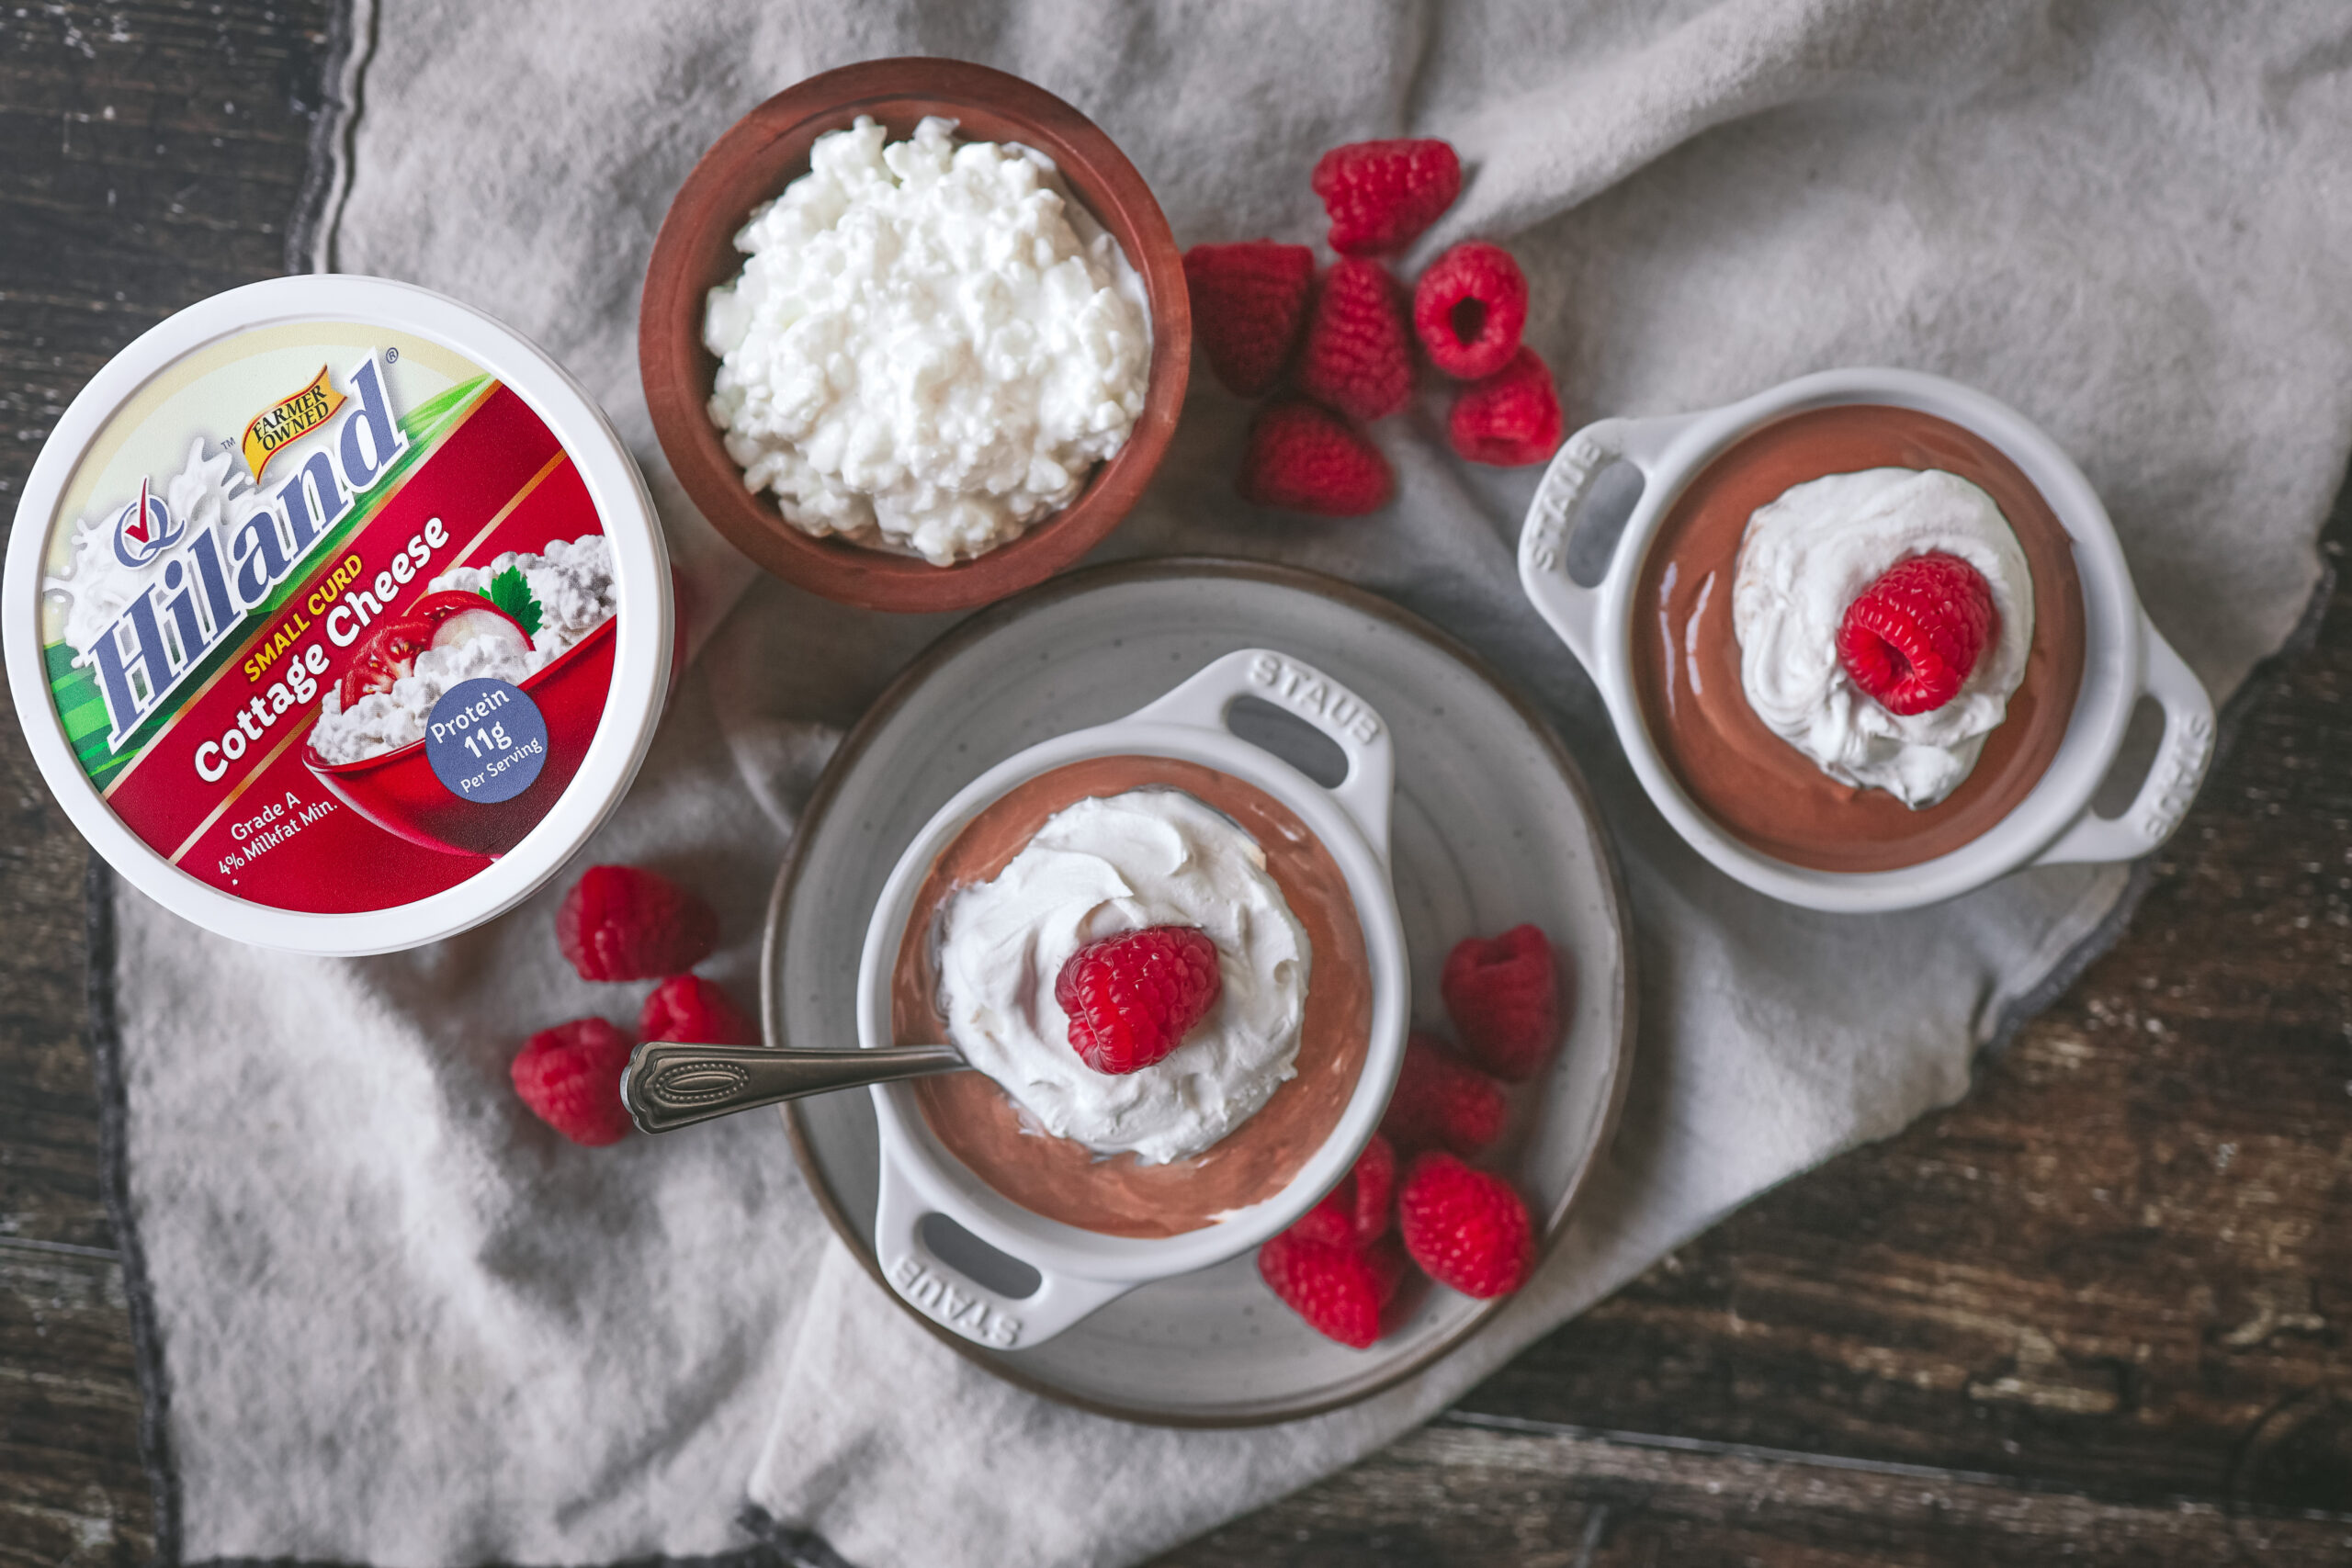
{"x":2101,"y":1310}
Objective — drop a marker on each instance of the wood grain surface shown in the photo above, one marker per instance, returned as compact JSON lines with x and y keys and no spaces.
{"x":2097,"y":1312}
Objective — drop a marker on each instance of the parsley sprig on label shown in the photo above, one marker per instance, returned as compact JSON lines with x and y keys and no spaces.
{"x":511,"y":593}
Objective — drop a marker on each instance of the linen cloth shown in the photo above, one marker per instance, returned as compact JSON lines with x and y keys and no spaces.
{"x":400,"y":1323}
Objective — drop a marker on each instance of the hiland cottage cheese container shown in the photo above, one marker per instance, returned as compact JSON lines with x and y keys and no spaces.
{"x":336,"y":614}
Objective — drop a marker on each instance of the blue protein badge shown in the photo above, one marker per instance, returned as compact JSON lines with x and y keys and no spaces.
{"x":487,"y":740}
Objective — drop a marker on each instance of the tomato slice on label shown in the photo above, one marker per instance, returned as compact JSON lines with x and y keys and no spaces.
{"x":459,"y":617}
{"x":387,"y":654}
{"x":435,"y":608}
{"x":445,"y":619}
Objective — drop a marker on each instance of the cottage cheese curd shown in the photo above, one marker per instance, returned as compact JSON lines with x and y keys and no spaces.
{"x":1101,"y":866}
{"x":572,"y":582}
{"x":931,"y":346}
{"x":1805,"y":557}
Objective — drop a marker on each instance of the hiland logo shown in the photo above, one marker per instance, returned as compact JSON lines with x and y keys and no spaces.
{"x":145,"y":530}
{"x":164,"y":633}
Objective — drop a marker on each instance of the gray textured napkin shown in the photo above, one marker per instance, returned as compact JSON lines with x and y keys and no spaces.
{"x":400,"y":1323}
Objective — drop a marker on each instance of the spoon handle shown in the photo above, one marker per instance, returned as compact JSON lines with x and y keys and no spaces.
{"x":669,"y":1085}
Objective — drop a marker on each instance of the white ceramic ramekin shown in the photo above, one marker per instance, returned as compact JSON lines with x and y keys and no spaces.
{"x":2124,"y":657}
{"x":1078,"y":1270}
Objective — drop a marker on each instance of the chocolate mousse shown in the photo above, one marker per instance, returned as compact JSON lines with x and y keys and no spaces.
{"x":1686,"y":657}
{"x":1064,"y":1180}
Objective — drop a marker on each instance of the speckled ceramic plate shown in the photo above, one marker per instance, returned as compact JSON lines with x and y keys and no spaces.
{"x":1492,"y":825}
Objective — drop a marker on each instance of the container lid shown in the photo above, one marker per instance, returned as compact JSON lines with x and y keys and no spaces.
{"x":336,"y":614}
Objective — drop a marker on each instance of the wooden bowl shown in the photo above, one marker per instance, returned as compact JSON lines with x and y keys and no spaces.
{"x":695,"y":253}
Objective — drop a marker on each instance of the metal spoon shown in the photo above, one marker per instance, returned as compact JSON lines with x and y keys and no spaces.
{"x":668,"y":1086}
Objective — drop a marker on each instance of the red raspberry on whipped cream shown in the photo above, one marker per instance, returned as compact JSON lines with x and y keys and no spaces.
{"x":1133,"y":998}
{"x":1814,"y":554}
{"x":1914,"y":637}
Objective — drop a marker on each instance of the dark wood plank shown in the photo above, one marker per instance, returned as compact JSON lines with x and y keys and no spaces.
{"x":72,"y":1488}
{"x":149,"y":155}
{"x":1455,"y":1495}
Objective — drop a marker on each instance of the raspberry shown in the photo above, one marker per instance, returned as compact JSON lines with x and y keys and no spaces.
{"x":1511,"y":418}
{"x":1381,"y":194}
{"x":620,"y":922}
{"x":1914,"y":637}
{"x":1355,"y":1212}
{"x":1465,"y":1228}
{"x":1249,"y":303}
{"x":1131,"y":998}
{"x":1442,"y":1101}
{"x":1504,"y":998}
{"x":1389,"y":1262}
{"x":1304,"y":457}
{"x":1469,"y":309}
{"x":1359,"y":352}
{"x":691,"y":1010}
{"x":1337,"y":1290}
{"x":570,"y":1078}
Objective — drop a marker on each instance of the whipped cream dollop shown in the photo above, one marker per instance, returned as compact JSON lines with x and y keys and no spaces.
{"x":1099,"y":866}
{"x":572,"y":582}
{"x":1809,"y":554}
{"x":931,"y":346}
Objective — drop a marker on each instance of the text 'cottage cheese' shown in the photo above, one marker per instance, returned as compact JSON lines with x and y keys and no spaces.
{"x":931,"y":346}
{"x":1809,"y":554}
{"x":1149,"y":857}
{"x":573,"y":583}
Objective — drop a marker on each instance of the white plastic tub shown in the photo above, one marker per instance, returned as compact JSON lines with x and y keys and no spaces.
{"x":253,"y":498}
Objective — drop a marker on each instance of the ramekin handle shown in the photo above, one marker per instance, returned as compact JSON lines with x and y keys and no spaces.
{"x":1292,"y":684}
{"x":956,"y":1302}
{"x":1569,"y":608}
{"x":2172,"y":777}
